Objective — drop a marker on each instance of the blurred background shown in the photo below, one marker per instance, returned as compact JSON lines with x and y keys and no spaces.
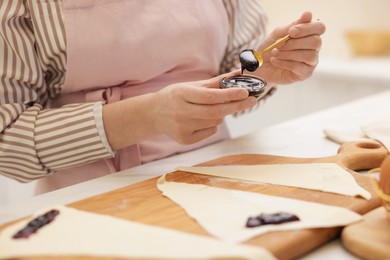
{"x":339,"y":16}
{"x":346,"y":71}
{"x":341,"y":76}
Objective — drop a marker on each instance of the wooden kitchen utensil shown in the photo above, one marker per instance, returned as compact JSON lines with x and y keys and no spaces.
{"x":369,"y":239}
{"x":144,"y":203}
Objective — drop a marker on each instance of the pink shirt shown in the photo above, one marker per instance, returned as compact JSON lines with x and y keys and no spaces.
{"x":64,"y":59}
{"x":120,"y":49}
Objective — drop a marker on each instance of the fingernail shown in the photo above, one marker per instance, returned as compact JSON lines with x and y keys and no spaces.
{"x":294,"y":31}
{"x":275,"y":52}
{"x":243,"y":94}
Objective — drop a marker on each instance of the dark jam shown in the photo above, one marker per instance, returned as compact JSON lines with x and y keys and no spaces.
{"x":36,"y":224}
{"x":267,"y":219}
{"x":248,"y":61}
{"x":255,"y":86}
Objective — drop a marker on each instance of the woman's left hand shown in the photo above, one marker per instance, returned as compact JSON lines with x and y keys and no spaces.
{"x":296,"y":59}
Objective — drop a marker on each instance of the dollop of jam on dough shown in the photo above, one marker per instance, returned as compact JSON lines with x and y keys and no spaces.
{"x":266,"y":219}
{"x":35,"y":224}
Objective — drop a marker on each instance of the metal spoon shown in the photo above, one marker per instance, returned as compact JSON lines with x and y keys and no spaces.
{"x":251,"y":59}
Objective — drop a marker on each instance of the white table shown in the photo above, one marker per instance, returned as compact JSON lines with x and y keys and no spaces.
{"x":302,"y":137}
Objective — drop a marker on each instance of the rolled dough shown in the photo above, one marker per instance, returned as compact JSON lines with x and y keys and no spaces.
{"x":80,"y":233}
{"x":223,"y":213}
{"x":327,"y":177}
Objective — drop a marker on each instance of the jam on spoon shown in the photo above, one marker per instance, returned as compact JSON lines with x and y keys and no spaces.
{"x":250,"y":59}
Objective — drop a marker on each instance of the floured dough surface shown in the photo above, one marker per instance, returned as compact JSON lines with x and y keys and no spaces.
{"x":223,"y":213}
{"x":327,"y":177}
{"x":80,"y":233}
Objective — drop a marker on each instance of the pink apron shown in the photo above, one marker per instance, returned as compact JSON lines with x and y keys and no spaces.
{"x":119,"y":49}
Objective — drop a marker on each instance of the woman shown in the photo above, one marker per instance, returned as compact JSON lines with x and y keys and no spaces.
{"x":93,"y":87}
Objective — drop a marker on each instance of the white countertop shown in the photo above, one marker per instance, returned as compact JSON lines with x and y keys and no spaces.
{"x":301,"y":137}
{"x":370,"y":69}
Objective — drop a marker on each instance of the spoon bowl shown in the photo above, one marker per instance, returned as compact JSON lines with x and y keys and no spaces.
{"x":251,"y":60}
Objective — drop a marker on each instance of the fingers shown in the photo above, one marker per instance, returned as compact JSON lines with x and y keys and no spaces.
{"x":197,"y":135}
{"x":202,"y":134}
{"x":208,"y":91}
{"x":192,"y":125}
{"x":301,"y":63}
{"x":303,"y":48}
{"x":299,"y":70}
{"x":214,"y":82}
{"x":211,"y":96}
{"x":189,"y":112}
{"x":296,"y":58}
{"x":307,"y":29}
{"x":305,"y":51}
{"x":306,"y":17}
{"x":312,"y":42}
{"x":221,"y":110}
{"x":307,"y":56}
{"x":198,"y":93}
{"x":190,"y":130}
{"x":302,"y":27}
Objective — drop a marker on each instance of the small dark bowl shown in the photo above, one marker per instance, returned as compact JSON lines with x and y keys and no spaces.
{"x":254,"y":85}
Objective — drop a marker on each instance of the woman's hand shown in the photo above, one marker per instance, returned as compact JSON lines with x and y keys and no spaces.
{"x":186,"y":112}
{"x":189,"y":112}
{"x":296,"y":59}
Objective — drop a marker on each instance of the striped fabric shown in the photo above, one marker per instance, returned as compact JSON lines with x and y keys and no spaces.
{"x":247,"y":29}
{"x":36,"y":141}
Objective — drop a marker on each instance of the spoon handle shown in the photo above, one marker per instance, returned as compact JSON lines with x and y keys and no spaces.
{"x":278,"y":42}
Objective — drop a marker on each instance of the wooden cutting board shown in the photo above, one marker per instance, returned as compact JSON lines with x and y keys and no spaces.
{"x":144,"y":203}
{"x":370,"y":238}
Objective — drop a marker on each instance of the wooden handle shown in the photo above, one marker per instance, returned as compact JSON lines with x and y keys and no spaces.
{"x":360,"y":155}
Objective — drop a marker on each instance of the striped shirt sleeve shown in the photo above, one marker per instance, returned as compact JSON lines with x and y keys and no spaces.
{"x":247,"y":28}
{"x":36,"y":141}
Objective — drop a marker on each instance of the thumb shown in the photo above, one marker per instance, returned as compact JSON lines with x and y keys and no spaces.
{"x":306,"y":17}
{"x":214,"y":82}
